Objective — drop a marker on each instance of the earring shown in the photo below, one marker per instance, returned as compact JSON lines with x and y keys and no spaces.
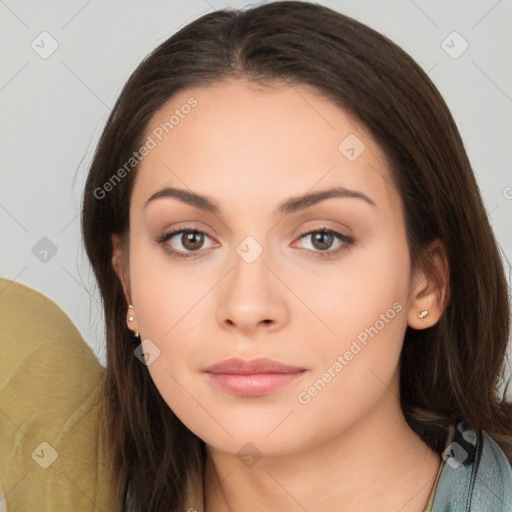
{"x":423,"y":314}
{"x":131,"y":319}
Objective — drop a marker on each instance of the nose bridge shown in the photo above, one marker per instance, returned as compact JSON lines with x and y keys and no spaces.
{"x":251,"y":294}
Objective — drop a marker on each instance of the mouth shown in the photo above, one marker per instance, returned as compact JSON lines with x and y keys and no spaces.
{"x":257,"y":377}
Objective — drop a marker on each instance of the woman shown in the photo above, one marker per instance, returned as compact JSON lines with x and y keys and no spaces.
{"x":304,"y":300}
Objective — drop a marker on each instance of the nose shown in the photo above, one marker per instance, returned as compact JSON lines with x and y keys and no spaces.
{"x":252,"y":298}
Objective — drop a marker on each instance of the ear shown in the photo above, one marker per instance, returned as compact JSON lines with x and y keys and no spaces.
{"x":429,"y":293}
{"x":120,"y":265}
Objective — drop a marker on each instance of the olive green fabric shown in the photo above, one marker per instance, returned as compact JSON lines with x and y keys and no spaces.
{"x":51,"y":448}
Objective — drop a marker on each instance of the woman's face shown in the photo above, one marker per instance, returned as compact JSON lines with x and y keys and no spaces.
{"x":251,"y":173}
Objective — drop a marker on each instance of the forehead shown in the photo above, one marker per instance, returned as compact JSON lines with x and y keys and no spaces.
{"x":241,"y":141}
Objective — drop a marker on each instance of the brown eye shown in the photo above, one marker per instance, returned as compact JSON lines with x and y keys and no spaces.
{"x":185,"y":243}
{"x":322,"y":241}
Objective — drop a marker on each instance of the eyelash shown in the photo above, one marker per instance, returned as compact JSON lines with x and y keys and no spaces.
{"x":347,"y":242}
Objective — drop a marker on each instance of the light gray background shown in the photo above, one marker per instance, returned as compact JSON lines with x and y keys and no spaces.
{"x":53,"y":110}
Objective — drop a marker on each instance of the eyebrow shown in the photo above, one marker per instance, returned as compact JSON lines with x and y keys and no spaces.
{"x":291,"y":205}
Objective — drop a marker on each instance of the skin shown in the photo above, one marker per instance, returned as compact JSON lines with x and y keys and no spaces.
{"x":249,"y":148}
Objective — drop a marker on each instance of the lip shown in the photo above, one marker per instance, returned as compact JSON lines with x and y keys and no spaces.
{"x":257,"y":377}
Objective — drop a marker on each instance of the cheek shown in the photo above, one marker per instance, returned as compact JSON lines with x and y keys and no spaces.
{"x":165,"y":292}
{"x":365,"y":291}
{"x":356,"y":366}
{"x":169,"y":300}
{"x":362,"y":316}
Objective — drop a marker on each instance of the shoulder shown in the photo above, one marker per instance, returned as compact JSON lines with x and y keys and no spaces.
{"x":43,"y":357}
{"x":50,"y":400}
{"x":477,"y":475}
{"x":32,"y":324}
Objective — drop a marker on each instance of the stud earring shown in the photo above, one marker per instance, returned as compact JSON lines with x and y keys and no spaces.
{"x":423,"y":314}
{"x":131,"y":319}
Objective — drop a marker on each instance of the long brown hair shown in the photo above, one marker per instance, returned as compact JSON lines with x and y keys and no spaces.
{"x":449,"y":372}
